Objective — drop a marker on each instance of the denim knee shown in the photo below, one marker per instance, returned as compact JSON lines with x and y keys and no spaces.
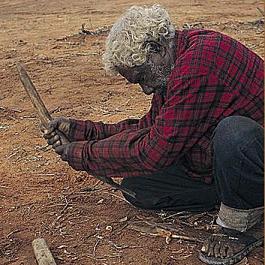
{"x":131,"y":184}
{"x":233,"y":132}
{"x":238,"y":162}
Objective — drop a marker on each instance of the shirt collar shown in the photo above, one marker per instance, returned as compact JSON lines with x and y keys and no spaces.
{"x":181,"y":42}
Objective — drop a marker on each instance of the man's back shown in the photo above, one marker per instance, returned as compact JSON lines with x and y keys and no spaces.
{"x":214,"y":77}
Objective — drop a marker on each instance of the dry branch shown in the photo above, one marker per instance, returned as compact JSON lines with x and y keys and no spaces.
{"x":161,"y":230}
{"x":42,"y":253}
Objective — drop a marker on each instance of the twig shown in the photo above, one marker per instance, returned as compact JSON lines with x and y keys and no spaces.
{"x":45,"y":174}
{"x":182,"y":214}
{"x":28,"y":117}
{"x":98,"y":31}
{"x":62,"y":212}
{"x":93,"y":188}
{"x":95,"y":247}
{"x":181,"y":257}
{"x":13,"y":154}
{"x":66,"y":205}
{"x":89,"y":190}
{"x":54,"y":205}
{"x":102,"y":258}
{"x":187,"y":238}
{"x":119,"y":230}
{"x":56,"y":109}
{"x":95,"y":258}
{"x":119,"y":247}
{"x":13,"y":232}
{"x":16,"y":110}
{"x":166,"y":229}
{"x":84,"y":31}
{"x":48,"y":174}
{"x":114,"y":195}
{"x":261,"y":11}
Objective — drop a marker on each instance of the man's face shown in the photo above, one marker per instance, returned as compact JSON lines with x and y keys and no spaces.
{"x":152,"y":75}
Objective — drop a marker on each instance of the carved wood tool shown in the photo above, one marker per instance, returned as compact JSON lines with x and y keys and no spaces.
{"x":45,"y":117}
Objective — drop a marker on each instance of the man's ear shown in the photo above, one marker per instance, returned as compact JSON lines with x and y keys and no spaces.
{"x":152,"y":46}
{"x":155,"y":47}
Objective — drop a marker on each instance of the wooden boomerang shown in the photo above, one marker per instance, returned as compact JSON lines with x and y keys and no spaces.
{"x":45,"y":118}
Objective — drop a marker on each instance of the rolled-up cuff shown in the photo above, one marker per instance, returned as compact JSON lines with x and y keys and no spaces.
{"x":239,"y":219}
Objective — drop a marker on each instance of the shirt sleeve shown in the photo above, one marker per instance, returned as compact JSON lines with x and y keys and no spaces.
{"x":141,"y":151}
{"x":89,"y":130}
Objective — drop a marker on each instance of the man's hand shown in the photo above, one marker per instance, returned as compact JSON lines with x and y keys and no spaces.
{"x":63,"y":150}
{"x":60,"y":124}
{"x":72,"y":153}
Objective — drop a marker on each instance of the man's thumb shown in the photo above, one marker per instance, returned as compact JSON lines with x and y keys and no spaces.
{"x":59,"y":149}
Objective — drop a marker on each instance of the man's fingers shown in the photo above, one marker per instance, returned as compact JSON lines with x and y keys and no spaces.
{"x":54,"y":123}
{"x":64,"y":157}
{"x":52,"y":126}
{"x":53,"y":139}
{"x":59,"y":149}
{"x":48,"y":131}
{"x":47,"y":135}
{"x":56,"y":144}
{"x":61,"y":124}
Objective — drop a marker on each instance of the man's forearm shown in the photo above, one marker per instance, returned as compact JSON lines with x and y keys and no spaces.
{"x":129,"y":153}
{"x":89,"y":130}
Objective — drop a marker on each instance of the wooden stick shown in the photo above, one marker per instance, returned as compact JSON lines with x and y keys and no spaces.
{"x":43,"y":113}
{"x":45,"y":117}
{"x":42,"y":253}
{"x":37,"y":102}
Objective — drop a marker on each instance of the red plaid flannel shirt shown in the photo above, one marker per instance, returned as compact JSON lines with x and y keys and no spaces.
{"x":214,"y":77}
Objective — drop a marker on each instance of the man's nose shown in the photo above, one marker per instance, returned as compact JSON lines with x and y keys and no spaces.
{"x":147,"y":89}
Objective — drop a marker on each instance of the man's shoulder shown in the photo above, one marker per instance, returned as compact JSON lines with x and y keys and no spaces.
{"x":208,"y":43}
{"x":200,"y":50}
{"x":204,"y":35}
{"x":212,"y":48}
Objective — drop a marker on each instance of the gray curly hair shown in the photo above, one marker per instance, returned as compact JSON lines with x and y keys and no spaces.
{"x":125,"y":45}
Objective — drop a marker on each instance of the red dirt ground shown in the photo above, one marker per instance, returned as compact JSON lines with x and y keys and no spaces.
{"x":82,"y":220}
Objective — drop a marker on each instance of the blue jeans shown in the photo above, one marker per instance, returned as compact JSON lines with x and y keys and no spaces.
{"x":238,"y":174}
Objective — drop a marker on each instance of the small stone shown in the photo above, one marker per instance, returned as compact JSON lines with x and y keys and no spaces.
{"x":109,"y":228}
{"x":100,"y":201}
{"x":203,"y":249}
{"x":124,"y":219}
{"x":168,"y":239}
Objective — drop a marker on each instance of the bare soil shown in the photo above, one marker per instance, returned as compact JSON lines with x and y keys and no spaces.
{"x":83,"y":221}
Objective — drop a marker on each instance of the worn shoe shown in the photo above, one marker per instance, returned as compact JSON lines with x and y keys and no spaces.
{"x":229,"y":246}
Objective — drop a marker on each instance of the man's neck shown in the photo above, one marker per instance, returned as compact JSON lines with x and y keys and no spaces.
{"x":172,"y":49}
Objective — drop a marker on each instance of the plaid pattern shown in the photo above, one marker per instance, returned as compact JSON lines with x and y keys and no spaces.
{"x":214,"y":77}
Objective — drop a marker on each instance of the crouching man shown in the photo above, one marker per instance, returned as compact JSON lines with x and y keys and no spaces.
{"x":201,"y":143}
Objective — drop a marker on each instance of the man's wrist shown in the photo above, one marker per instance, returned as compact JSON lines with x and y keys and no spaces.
{"x":75,"y":157}
{"x":78,"y":130}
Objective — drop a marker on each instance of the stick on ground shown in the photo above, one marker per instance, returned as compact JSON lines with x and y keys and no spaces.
{"x":42,"y":253}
